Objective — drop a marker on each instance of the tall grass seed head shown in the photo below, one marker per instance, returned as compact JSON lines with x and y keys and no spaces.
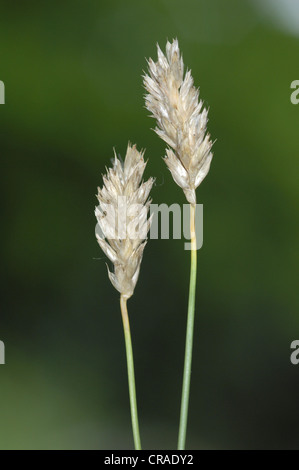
{"x":181,"y":118}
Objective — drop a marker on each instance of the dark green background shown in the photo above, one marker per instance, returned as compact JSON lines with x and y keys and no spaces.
{"x":72,"y":72}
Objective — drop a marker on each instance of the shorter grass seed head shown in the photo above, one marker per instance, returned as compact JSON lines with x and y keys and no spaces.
{"x":122,"y":215}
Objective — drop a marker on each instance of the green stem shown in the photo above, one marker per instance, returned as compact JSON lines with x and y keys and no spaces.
{"x":131,"y":375}
{"x":189,"y":335}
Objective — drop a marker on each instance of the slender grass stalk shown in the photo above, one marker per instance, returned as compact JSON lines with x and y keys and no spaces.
{"x":189,"y":335}
{"x":173,"y":101}
{"x":123,"y":224}
{"x":131,"y":375}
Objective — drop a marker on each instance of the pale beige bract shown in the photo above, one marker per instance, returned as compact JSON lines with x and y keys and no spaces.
{"x":181,"y":119}
{"x":122,"y":217}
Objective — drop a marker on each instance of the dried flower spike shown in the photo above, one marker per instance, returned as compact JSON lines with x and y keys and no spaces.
{"x":122,"y":218}
{"x":181,"y":119}
{"x":123,"y":223}
{"x":182,"y":123}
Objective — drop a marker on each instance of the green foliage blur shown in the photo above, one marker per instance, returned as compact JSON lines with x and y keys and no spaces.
{"x":73,"y":91}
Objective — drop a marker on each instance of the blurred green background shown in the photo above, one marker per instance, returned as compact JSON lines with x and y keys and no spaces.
{"x":72,"y":72}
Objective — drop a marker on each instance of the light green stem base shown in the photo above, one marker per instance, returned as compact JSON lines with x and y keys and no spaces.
{"x":189,"y":335}
{"x":131,"y":375}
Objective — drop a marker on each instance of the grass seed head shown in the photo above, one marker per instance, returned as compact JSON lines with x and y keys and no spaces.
{"x":122,"y":215}
{"x":173,"y":101}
